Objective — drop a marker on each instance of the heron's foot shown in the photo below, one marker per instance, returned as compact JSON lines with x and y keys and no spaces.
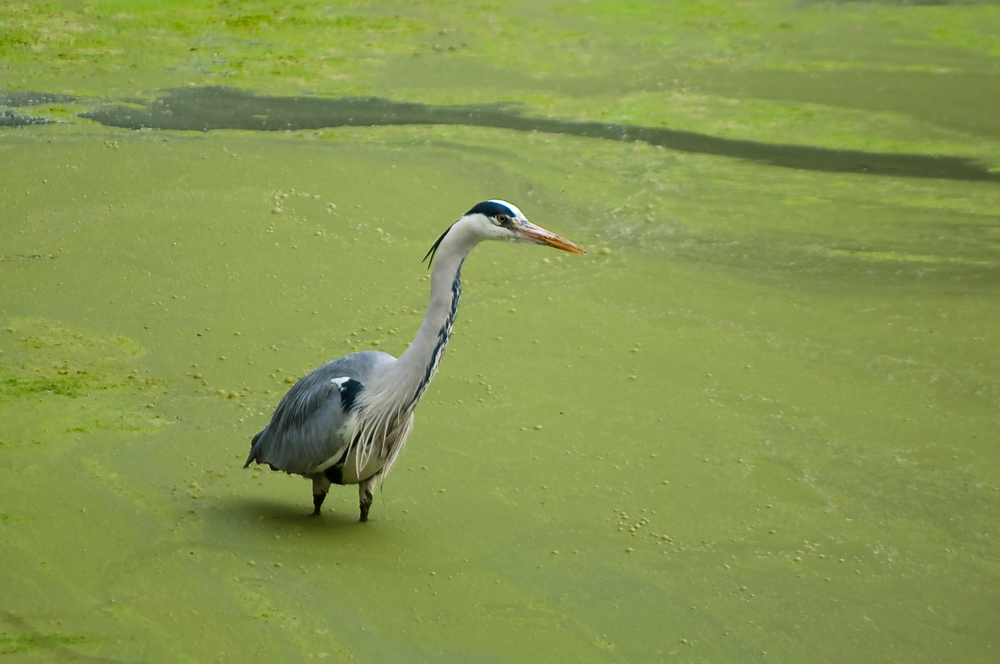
{"x":318,"y":499}
{"x":320,"y":486}
{"x":366,"y":503}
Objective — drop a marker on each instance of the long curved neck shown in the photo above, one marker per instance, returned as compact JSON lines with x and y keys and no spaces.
{"x":422,"y":358}
{"x":408,"y":377}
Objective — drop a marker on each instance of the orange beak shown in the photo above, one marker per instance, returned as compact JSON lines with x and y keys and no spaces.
{"x":538,"y":235}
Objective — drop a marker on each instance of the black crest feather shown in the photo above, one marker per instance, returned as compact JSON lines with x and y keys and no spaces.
{"x":429,"y":256}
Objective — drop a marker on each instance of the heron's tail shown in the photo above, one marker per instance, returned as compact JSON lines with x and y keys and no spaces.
{"x":253,"y":447}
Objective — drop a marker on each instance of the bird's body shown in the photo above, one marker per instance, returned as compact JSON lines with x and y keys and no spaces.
{"x":346,"y":422}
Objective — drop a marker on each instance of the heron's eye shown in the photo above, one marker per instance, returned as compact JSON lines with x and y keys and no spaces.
{"x":503,"y":219}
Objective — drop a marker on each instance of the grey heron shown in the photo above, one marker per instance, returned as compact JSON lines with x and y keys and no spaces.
{"x":346,"y":422}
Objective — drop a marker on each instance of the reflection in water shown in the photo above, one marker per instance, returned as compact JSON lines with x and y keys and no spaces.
{"x":208,"y":108}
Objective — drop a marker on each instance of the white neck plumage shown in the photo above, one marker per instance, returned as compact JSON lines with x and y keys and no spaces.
{"x":387,"y":403}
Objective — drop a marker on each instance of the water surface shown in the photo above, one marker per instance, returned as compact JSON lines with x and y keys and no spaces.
{"x":756,"y":422}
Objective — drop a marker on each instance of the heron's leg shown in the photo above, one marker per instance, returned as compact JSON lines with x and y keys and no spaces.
{"x":365,"y":495}
{"x":320,"y":486}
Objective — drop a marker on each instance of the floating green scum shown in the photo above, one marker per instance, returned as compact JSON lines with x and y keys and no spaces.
{"x":755,"y":422}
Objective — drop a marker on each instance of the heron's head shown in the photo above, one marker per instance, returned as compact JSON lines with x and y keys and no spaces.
{"x":500,"y":220}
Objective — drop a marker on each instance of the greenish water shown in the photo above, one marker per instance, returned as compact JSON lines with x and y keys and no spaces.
{"x":761,"y":426}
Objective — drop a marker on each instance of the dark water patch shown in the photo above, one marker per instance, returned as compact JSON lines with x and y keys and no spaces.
{"x":12,"y":99}
{"x":18,"y":98}
{"x":207,"y":108}
{"x":9,"y":118}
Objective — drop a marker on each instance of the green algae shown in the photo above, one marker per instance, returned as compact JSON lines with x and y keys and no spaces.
{"x":566,"y":51}
{"x":76,"y":381}
{"x":62,"y":361}
{"x":10,"y":645}
{"x":794,"y":415}
{"x":761,"y":422}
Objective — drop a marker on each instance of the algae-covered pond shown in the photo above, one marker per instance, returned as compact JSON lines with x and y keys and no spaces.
{"x":757,"y":421}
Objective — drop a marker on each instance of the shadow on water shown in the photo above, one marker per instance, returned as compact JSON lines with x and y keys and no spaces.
{"x":277,"y":516}
{"x":208,"y":108}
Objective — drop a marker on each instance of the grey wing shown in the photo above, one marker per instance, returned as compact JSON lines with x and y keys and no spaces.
{"x":313,"y":423}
